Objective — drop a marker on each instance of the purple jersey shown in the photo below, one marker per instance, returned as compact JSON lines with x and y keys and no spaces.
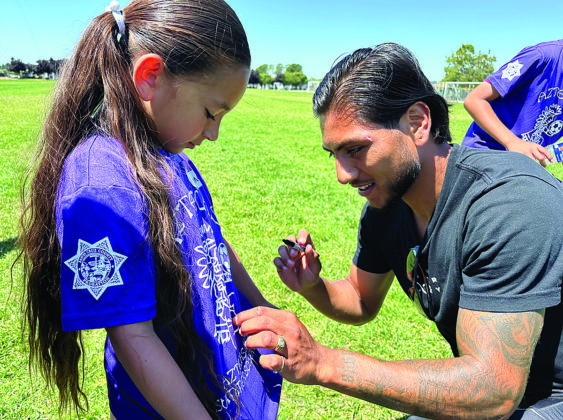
{"x":108,"y":273}
{"x":531,"y":97}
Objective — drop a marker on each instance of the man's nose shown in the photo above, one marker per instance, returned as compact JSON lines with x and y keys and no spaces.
{"x":345,"y":171}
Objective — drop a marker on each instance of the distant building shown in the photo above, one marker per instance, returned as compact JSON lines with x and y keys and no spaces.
{"x":313,"y":85}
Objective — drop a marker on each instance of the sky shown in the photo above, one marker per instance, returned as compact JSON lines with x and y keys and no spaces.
{"x":315,"y":33}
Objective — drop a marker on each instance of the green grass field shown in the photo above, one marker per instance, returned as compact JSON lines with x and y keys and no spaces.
{"x":268,"y":177}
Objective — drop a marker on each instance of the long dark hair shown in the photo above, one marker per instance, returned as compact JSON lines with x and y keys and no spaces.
{"x":193,"y":38}
{"x":378,"y":85}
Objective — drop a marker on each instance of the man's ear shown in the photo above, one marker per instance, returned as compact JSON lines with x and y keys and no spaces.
{"x":147,"y":69}
{"x":419,"y":122}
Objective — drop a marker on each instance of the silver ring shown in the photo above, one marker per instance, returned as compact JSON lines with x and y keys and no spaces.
{"x":281,"y":343}
{"x":283,"y":364}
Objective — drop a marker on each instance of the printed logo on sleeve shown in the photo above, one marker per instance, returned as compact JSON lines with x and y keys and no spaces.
{"x":512,"y":70}
{"x":96,"y":267}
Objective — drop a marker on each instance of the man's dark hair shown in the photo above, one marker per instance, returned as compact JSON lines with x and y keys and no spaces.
{"x":378,"y":85}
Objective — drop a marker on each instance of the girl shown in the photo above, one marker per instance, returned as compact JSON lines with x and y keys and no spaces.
{"x":119,"y":228}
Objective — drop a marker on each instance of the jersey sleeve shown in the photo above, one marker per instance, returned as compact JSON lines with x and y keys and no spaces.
{"x":520,"y":70}
{"x":510,"y":264}
{"x":107,"y":267}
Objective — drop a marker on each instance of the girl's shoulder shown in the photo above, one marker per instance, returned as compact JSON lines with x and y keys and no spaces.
{"x":98,"y":161}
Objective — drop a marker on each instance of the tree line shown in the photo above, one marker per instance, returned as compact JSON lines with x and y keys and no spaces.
{"x":41,"y":67}
{"x":465,"y":65}
{"x":267,"y":74}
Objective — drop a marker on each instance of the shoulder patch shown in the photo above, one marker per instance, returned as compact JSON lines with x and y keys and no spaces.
{"x":96,"y":267}
{"x":512,"y":70}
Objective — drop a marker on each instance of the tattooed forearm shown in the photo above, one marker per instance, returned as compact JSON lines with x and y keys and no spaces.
{"x":348,"y":367}
{"x":366,"y":386}
{"x":486,"y":381}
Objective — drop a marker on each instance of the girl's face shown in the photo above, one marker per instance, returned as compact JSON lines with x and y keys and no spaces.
{"x":188,"y":111}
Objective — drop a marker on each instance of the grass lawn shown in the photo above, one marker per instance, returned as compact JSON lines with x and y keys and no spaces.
{"x":268,"y":177}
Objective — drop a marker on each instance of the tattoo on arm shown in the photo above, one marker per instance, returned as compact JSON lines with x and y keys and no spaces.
{"x":514,"y":335}
{"x":348,"y":367}
{"x":488,"y":378}
{"x":503,"y":345}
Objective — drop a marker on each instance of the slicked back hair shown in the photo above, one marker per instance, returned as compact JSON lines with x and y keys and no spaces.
{"x":378,"y":85}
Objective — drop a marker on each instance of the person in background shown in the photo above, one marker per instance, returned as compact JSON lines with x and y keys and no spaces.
{"x":470,"y":235}
{"x":119,"y":230}
{"x":519,"y":107}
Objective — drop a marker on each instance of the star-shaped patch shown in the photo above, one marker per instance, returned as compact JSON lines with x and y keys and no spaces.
{"x":512,"y":70}
{"x":96,"y":267}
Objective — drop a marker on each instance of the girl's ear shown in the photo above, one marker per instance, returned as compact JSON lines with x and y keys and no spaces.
{"x":147,"y":70}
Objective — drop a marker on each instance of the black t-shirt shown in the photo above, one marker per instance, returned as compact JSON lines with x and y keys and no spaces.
{"x":494,"y":243}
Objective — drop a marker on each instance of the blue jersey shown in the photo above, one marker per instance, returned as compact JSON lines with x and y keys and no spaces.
{"x":531,"y":97}
{"x":108,"y":273}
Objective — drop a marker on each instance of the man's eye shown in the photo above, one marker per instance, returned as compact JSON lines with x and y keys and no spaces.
{"x":330,"y":155}
{"x":354,"y":151}
{"x":209,"y":115}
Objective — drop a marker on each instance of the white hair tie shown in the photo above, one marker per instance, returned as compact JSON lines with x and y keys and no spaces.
{"x":118,"y":16}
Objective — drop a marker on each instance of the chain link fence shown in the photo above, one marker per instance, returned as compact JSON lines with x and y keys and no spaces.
{"x":454,"y":91}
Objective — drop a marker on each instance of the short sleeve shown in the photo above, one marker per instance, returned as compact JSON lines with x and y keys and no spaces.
{"x":107,"y":270}
{"x":510,"y":264}
{"x":521,"y":69}
{"x":107,"y":266}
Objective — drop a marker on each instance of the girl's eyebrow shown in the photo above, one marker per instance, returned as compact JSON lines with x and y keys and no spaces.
{"x":225,"y":107}
{"x":222,"y":106}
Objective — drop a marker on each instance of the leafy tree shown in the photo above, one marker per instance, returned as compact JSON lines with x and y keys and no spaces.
{"x":294,"y":68}
{"x":254,"y":77}
{"x":262,"y":69}
{"x":268,"y":74}
{"x":265,"y":68}
{"x":55,"y":65}
{"x":467,"y":66}
{"x":266,"y":79}
{"x":16,"y":66}
{"x":294,"y":78}
{"x":265,"y":73}
{"x":43,"y":66}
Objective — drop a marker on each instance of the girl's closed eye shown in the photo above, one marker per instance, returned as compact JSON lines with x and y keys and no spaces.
{"x":209,"y":115}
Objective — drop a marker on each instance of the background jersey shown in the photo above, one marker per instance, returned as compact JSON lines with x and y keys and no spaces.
{"x":531,"y":97}
{"x":108,"y":275}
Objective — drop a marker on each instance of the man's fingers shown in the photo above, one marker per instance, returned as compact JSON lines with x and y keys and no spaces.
{"x":267,"y":340}
{"x":273,"y":362}
{"x":262,"y":318}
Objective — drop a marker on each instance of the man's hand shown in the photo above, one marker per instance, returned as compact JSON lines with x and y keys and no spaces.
{"x":299,"y":270}
{"x":299,"y":360}
{"x":486,"y":381}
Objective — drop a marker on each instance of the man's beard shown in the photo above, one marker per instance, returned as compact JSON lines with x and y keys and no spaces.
{"x":397,"y":187}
